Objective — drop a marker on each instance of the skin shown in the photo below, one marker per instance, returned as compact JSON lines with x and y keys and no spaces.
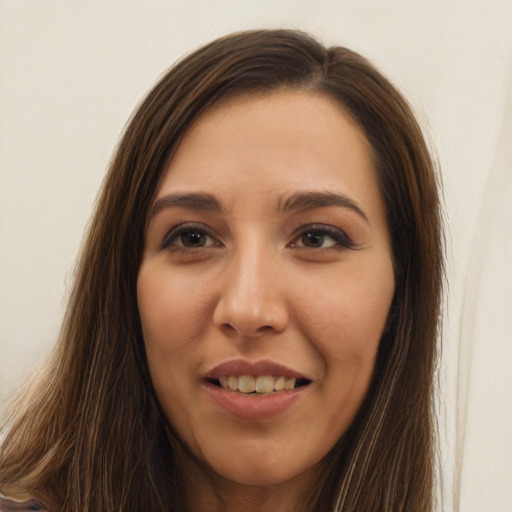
{"x":254,"y":287}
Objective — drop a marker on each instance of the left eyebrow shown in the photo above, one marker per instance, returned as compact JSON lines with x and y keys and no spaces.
{"x":310,"y":200}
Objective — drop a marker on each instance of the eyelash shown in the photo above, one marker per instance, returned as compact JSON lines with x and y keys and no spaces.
{"x":323,"y":230}
{"x":193,"y":228}
{"x":319,"y":230}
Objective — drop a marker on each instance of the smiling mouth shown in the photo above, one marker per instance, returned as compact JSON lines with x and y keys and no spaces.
{"x":257,"y":386}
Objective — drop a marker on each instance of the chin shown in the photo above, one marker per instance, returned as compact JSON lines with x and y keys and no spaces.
{"x":263,"y":469}
{"x":257,"y":476}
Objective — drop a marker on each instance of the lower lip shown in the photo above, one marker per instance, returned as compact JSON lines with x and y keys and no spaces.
{"x":254,"y":407}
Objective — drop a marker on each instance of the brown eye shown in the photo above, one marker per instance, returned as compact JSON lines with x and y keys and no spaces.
{"x":321,"y":236}
{"x":190,"y":236}
{"x":312,"y":239}
{"x":194,"y":239}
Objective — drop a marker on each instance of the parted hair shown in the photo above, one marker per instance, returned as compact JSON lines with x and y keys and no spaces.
{"x":88,"y":433}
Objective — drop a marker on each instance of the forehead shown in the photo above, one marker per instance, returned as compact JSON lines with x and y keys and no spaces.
{"x":272,"y":145}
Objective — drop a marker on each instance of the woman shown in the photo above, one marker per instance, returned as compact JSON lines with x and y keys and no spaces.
{"x":254,"y":319}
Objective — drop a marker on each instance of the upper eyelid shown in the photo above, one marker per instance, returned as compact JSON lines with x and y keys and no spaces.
{"x":327,"y":229}
{"x":318,"y":226}
{"x":175,"y":231}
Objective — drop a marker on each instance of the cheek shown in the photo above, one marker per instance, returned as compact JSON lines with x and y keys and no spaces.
{"x":172,"y":316}
{"x":348,"y":345}
{"x":170,"y":310}
{"x":345,"y":320}
{"x":348,"y":319}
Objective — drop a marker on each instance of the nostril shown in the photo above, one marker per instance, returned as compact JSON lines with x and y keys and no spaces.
{"x":245,"y":331}
{"x":228,"y":328}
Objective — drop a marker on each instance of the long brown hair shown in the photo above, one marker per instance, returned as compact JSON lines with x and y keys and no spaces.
{"x":89,"y":434}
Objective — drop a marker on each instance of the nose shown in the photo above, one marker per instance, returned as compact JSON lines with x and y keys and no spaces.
{"x":252,"y":300}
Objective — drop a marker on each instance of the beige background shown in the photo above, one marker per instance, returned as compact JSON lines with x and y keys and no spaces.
{"x":72,"y":72}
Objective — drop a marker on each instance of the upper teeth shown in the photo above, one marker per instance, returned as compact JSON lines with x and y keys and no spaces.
{"x":263,"y":384}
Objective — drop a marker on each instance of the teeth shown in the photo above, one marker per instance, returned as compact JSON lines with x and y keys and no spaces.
{"x":289,"y":384}
{"x":233,"y":383}
{"x":246,"y":384}
{"x":279,"y":383}
{"x":264,"y":384}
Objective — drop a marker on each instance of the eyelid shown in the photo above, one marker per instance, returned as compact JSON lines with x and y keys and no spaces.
{"x":342,"y":240}
{"x":337,"y":234}
{"x":174,"y":233}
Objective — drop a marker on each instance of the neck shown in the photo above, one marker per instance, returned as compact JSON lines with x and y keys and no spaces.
{"x":206,"y":491}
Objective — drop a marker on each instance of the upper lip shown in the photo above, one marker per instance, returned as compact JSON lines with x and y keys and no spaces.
{"x":254,"y":368}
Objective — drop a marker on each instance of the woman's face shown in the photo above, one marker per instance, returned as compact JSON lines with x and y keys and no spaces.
{"x":267,"y":265}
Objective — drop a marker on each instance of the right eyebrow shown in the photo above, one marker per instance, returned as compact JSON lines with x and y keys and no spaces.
{"x":202,"y":202}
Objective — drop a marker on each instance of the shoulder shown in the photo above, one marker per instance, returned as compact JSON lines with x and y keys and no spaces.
{"x":21,"y":504}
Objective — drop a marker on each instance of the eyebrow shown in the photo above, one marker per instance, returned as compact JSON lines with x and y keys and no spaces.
{"x":309,"y":200}
{"x":202,"y":202}
{"x":300,"y":201}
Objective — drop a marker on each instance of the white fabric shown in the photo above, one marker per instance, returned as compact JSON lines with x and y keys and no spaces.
{"x":71,"y":73}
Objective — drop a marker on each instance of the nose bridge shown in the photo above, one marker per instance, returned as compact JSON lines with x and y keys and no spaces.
{"x":251,"y":300}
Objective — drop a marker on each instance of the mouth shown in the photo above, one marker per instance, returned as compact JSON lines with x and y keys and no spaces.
{"x":256,"y":390}
{"x":255,"y":378}
{"x":257,"y":385}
